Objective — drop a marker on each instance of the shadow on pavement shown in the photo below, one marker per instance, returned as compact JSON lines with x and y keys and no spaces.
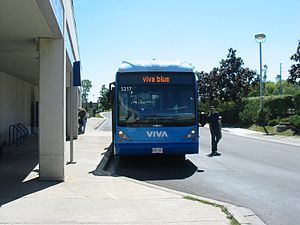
{"x":103,"y":165}
{"x":144,"y":167}
{"x":154,"y":168}
{"x":12,"y":191}
{"x":15,"y":166}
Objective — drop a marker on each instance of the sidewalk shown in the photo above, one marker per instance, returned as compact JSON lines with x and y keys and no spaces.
{"x":89,"y":196}
{"x":291,"y":140}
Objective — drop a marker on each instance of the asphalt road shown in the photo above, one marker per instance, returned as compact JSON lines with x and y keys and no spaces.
{"x":260,"y":175}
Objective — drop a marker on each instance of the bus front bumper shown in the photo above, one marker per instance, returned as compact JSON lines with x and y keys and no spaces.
{"x":151,"y":149}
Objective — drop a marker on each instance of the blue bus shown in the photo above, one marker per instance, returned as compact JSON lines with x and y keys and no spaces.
{"x":155,"y":109}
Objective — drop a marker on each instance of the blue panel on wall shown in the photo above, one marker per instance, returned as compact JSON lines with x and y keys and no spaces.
{"x":76,"y":74}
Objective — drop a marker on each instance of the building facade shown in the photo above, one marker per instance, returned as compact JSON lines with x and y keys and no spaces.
{"x":38,"y":47}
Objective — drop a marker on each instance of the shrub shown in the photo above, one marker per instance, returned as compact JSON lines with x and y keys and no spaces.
{"x":204,"y":107}
{"x":273,"y":122}
{"x":215,"y":102}
{"x":229,"y":112}
{"x":279,"y":105}
{"x":295,"y":121}
{"x":263,"y":117}
{"x":250,"y":112}
{"x":297,"y":103}
{"x":285,"y":120}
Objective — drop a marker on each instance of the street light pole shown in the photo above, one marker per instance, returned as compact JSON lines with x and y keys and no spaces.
{"x":260,"y":80}
{"x":260,"y":38}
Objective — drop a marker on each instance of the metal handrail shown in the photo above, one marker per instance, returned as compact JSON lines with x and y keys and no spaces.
{"x":22,"y":131}
{"x":9,"y":134}
{"x":16,"y":137}
{"x":23,"y":128}
{"x":17,"y":134}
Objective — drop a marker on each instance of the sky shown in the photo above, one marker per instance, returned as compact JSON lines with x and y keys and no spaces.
{"x":196,"y":31}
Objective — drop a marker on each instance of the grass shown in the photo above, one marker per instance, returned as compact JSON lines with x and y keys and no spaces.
{"x":271,"y":130}
{"x":98,"y":115}
{"x":229,"y":216}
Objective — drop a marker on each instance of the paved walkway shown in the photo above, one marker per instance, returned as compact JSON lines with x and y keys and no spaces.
{"x":292,"y":140}
{"x":88,"y":196}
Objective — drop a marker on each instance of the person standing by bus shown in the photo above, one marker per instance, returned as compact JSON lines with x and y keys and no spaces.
{"x":82,"y":120}
{"x":214,"y":120}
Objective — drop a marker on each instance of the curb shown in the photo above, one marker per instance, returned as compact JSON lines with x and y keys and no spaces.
{"x":108,"y":154}
{"x":104,"y":163}
{"x":107,"y":157}
{"x":101,"y":114}
{"x":104,"y":119}
{"x":98,"y":125}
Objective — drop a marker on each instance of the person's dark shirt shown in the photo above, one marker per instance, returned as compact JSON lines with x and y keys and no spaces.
{"x":82,"y":114}
{"x":213,"y":120}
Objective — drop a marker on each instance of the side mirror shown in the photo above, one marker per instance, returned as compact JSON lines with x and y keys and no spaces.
{"x":111,"y":93}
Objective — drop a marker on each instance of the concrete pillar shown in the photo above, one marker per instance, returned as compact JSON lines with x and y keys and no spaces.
{"x":68,"y":112}
{"x":68,"y":102}
{"x":72,"y":111}
{"x":52,"y":106}
{"x":75,"y":111}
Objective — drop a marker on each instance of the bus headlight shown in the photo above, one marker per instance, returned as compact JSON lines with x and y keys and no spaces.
{"x":191,"y":134}
{"x":122,"y":135}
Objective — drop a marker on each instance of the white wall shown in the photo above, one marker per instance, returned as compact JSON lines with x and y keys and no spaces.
{"x":70,"y":17}
{"x":16,"y":97}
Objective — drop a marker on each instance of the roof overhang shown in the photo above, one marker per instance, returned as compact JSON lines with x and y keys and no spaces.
{"x":21,"y":24}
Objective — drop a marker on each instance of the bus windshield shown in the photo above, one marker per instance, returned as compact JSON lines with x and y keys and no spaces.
{"x":156,"y":105}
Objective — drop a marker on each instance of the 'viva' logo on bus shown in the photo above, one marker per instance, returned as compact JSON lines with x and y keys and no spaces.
{"x":159,"y":134}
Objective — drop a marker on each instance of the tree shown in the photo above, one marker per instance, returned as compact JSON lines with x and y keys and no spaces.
{"x":265,"y":70}
{"x":295,"y":69}
{"x":236,"y":80}
{"x":289,"y":88}
{"x":208,"y":84}
{"x":271,"y":88}
{"x":104,"y":99}
{"x":85,"y":88}
{"x":230,"y":82}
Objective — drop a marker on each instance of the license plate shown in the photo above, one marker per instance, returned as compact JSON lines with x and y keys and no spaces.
{"x":157,"y":150}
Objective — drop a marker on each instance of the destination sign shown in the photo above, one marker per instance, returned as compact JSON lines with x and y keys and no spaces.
{"x":156,"y":79}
